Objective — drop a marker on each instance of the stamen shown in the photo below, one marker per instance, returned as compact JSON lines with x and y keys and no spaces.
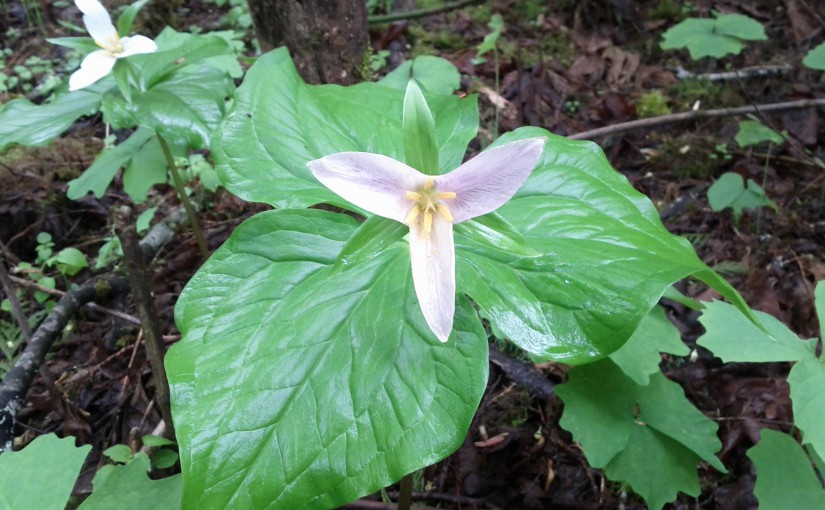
{"x":412,"y":195}
{"x":445,"y":213}
{"x":412,"y":215}
{"x":429,"y":183}
{"x":446,"y":195}
{"x":428,"y":223}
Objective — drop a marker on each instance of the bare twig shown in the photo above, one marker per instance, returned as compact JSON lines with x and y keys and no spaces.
{"x":693,"y":115}
{"x":16,"y":383}
{"x":133,"y":256}
{"x":523,"y":374}
{"x":750,"y":72}
{"x":421,"y":13}
{"x":16,"y":309}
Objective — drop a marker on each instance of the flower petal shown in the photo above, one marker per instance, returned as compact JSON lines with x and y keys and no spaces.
{"x":95,"y":66}
{"x":373,"y":182}
{"x":433,"y":269}
{"x":484,"y":183}
{"x":97,"y":21}
{"x":136,"y":45}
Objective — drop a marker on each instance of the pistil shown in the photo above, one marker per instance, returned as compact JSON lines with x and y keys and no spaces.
{"x":429,"y":201}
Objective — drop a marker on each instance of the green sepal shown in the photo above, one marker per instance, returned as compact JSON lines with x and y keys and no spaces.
{"x":124,"y":22}
{"x":81,"y":44}
{"x":371,"y":238}
{"x":420,"y":147}
{"x":493,"y":231}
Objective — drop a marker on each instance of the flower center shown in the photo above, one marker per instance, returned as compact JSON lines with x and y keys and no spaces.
{"x":112,"y":45}
{"x":429,"y":201}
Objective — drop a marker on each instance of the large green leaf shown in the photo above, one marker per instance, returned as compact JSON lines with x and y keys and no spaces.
{"x":650,"y":437}
{"x":604,"y":257}
{"x":713,"y":37}
{"x":279,"y":123}
{"x":41,"y":476}
{"x":25,"y":123}
{"x":298,"y":387}
{"x":784,"y":478}
{"x":807,"y":380}
{"x":130,"y":488}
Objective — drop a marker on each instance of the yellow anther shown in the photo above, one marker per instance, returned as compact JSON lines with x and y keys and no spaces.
{"x":412,"y":215}
{"x":445,"y":213}
{"x":429,"y":183}
{"x":412,"y":195}
{"x":428,"y":223}
{"x":446,"y":195}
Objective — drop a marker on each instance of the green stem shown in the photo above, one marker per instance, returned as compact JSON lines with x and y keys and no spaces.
{"x":190,"y":211}
{"x":405,"y":493}
{"x":389,"y":18}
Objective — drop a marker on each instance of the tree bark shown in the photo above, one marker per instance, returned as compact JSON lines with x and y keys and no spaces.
{"x":328,"y":39}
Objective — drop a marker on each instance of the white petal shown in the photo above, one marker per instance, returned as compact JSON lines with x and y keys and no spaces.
{"x":136,"y":44}
{"x":373,"y":182}
{"x":484,"y":183}
{"x":95,"y":66}
{"x":97,"y":21}
{"x":433,"y":271}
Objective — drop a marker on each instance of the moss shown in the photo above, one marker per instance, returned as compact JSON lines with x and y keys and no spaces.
{"x":652,"y":104}
{"x":665,"y":10}
{"x":426,"y":42}
{"x":713,"y":95}
{"x":688,"y":156}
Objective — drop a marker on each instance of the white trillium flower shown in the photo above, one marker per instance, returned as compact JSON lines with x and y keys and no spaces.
{"x":430,"y":205}
{"x":99,"y":63}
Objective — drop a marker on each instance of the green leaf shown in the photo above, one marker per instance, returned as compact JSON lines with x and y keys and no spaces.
{"x":420,"y":146}
{"x":819,"y":303}
{"x":674,"y":295}
{"x":82,"y":45}
{"x":271,"y":338}
{"x":97,"y":177}
{"x":372,"y":237}
{"x":639,"y":357}
{"x":142,"y":223}
{"x":494,"y":231}
{"x":752,"y":132}
{"x":729,"y":191}
{"x":731,"y":337}
{"x":279,"y":124}
{"x":807,"y":380}
{"x":784,"y":478}
{"x":120,"y":453}
{"x":434,"y":74}
{"x":713,"y":37}
{"x":42,"y":475}
{"x":129,"y":488}
{"x":491,"y":39}
{"x":70,"y":261}
{"x":605,"y":257}
{"x":125,"y":20}
{"x":121,"y":73}
{"x":164,"y":458}
{"x":153,"y":441}
{"x":649,"y":437}
{"x":146,"y":168}
{"x":815,"y":59}
{"x":22,"y":122}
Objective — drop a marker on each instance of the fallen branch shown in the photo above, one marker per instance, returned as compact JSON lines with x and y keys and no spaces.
{"x":16,"y":384}
{"x":421,"y":13}
{"x":750,"y":72}
{"x":696,"y":114}
{"x":524,"y":374}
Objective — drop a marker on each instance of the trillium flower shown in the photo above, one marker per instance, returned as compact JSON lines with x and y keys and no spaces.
{"x":430,"y":206}
{"x":99,"y":63}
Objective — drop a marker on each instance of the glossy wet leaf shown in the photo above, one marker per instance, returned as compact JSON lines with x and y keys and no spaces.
{"x":784,"y":476}
{"x":298,"y":387}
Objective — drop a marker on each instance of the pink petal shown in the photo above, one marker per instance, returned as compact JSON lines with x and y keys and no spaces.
{"x":136,"y":44}
{"x":97,"y":21}
{"x":484,"y":183}
{"x":433,"y":270}
{"x":94,"y":66}
{"x":373,"y":182}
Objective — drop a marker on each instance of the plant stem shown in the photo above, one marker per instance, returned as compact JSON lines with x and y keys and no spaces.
{"x":184,"y":199}
{"x":405,"y":492}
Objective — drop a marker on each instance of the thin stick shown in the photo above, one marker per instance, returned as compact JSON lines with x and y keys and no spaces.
{"x":184,"y":199}
{"x":17,"y":310}
{"x":421,"y":13}
{"x":697,"y":114}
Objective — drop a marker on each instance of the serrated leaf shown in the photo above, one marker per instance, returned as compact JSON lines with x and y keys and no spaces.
{"x":815,"y":59}
{"x":649,"y":437}
{"x":807,"y":380}
{"x":321,"y":387}
{"x":130,"y":488}
{"x":279,"y":124}
{"x":42,"y":475}
{"x":731,"y":337}
{"x":640,"y":356}
{"x":25,"y":123}
{"x":729,"y":191}
{"x":435,"y":75}
{"x":752,"y":132}
{"x":784,"y":478}
{"x":713,"y":37}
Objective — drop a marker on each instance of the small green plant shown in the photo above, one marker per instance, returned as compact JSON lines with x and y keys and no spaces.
{"x":752,"y":132}
{"x":715,"y":38}
{"x":729,"y":191}
{"x":652,"y":104}
{"x":815,"y":59}
{"x":161,"y":456}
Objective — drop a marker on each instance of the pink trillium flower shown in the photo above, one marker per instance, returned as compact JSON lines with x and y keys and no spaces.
{"x":99,"y":63}
{"x":430,"y":206}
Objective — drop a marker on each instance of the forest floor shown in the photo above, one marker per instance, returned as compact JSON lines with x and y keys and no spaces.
{"x":570,"y":67}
